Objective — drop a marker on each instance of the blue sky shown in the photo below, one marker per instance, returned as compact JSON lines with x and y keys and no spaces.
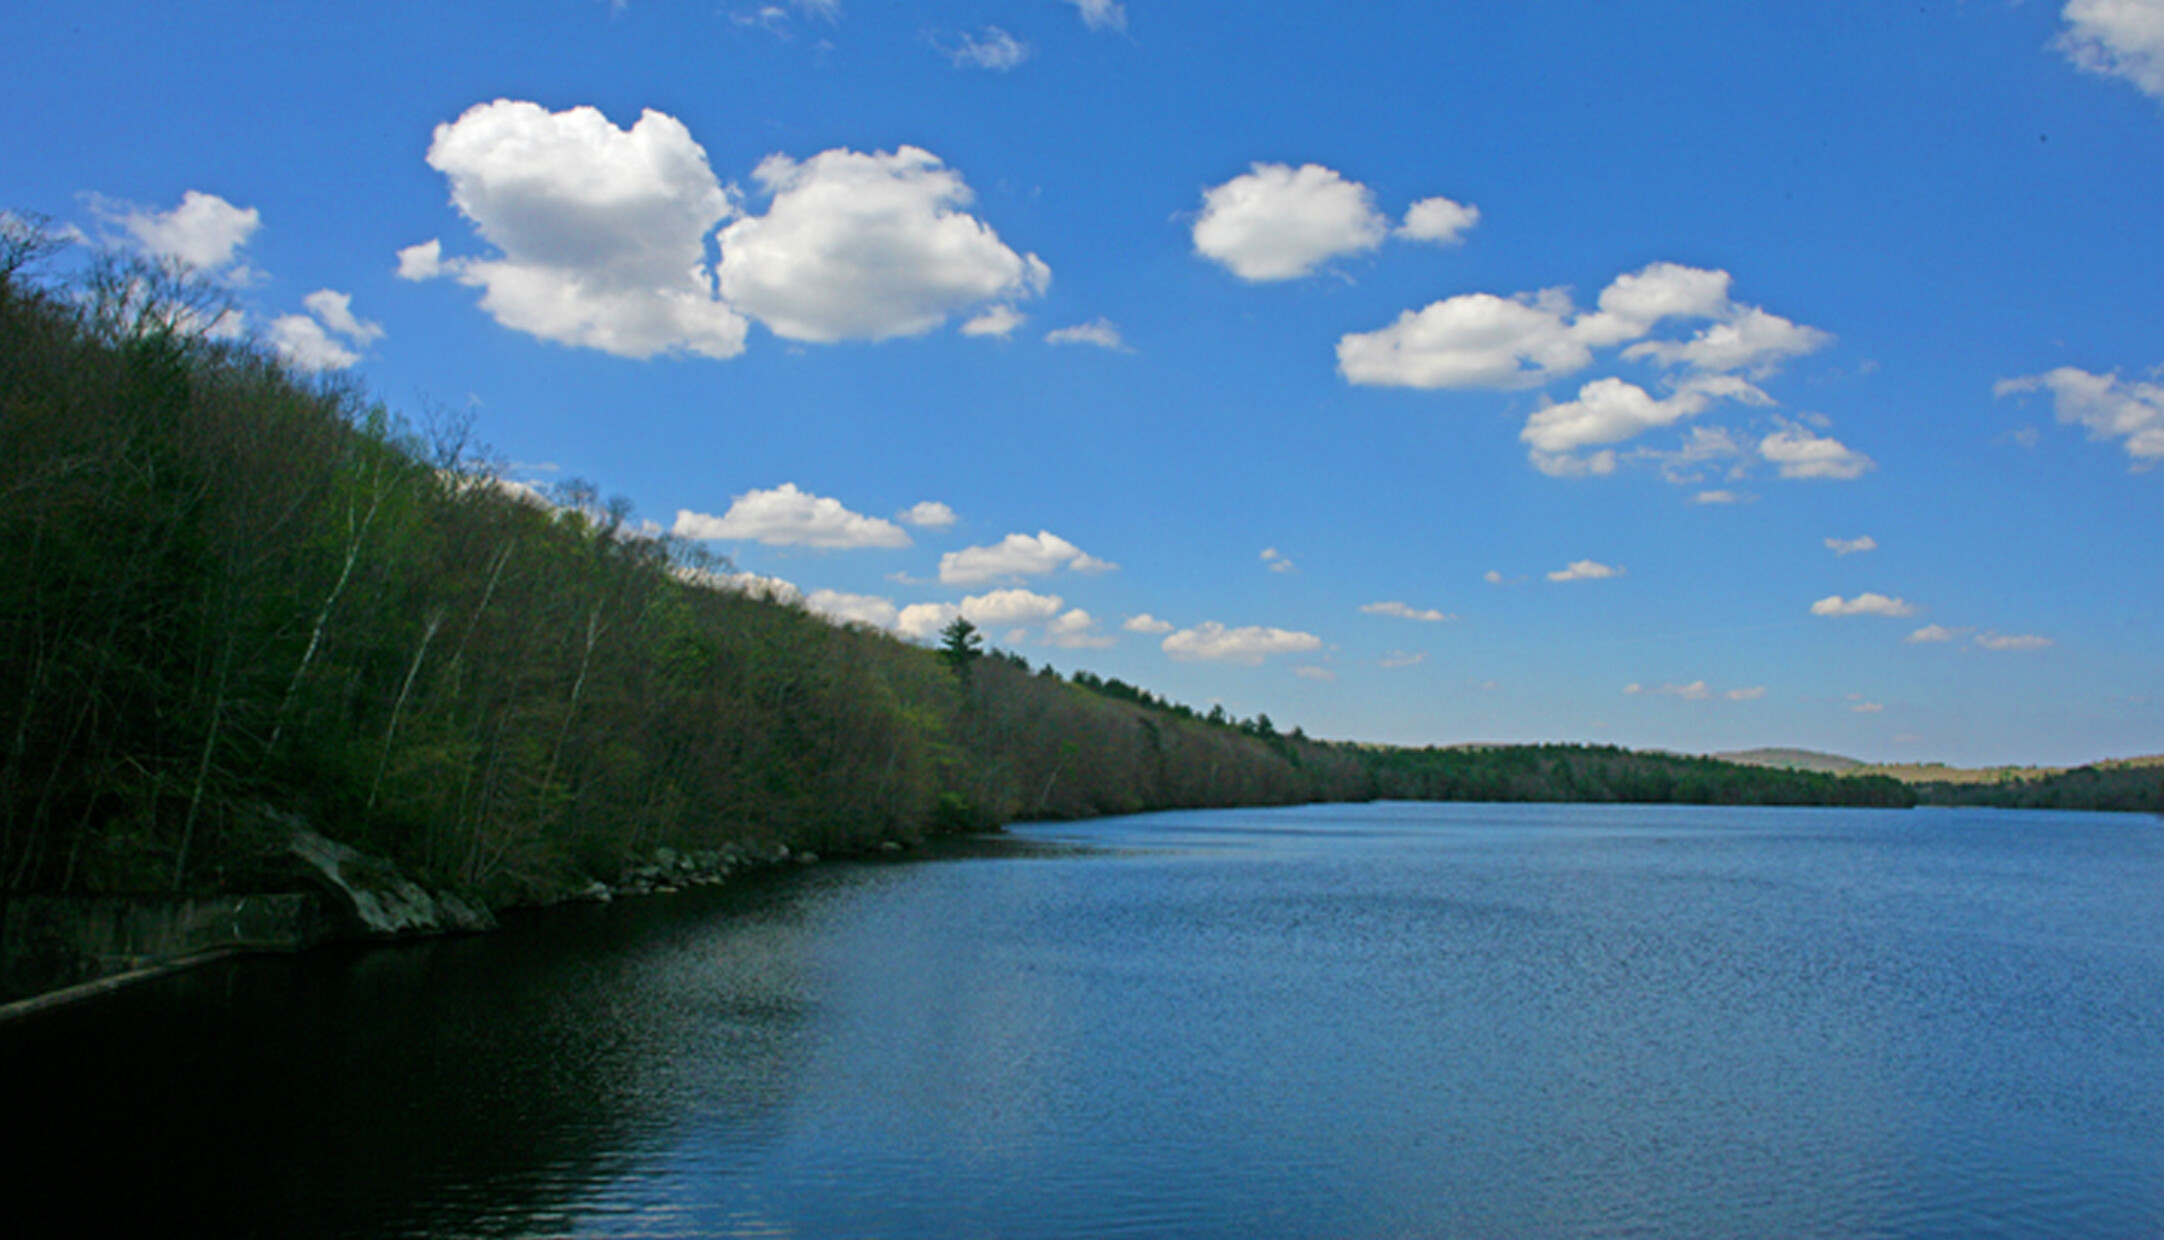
{"x":1692,"y":375}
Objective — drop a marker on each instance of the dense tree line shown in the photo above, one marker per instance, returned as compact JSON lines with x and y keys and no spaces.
{"x":2124,"y":786}
{"x":1608,"y":773}
{"x":230,"y":593}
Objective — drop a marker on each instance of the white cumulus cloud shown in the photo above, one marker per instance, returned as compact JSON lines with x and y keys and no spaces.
{"x":920,"y":620}
{"x":1480,"y":340}
{"x":1276,"y":222}
{"x":1007,"y":607}
{"x":788,"y":517}
{"x":1866,"y":604}
{"x":205,"y":231}
{"x":1799,"y":453}
{"x":1014,"y":610}
{"x":867,"y":246}
{"x":994,"y":321}
{"x":1609,"y":411}
{"x":1076,"y":629}
{"x":868,"y":609}
{"x":1637,"y":302}
{"x":755,"y":585}
{"x":1851,"y":546}
{"x":329,"y":337}
{"x":335,"y":309}
{"x":304,"y":343}
{"x":1147,"y":623}
{"x":929,"y":515}
{"x":1251,"y":645}
{"x":1474,"y":340}
{"x":2108,"y":407}
{"x":1750,"y":341}
{"x":602,"y":230}
{"x":421,"y":262}
{"x":1584,"y":570}
{"x":1438,"y":221}
{"x":1017,"y":555}
{"x":2117,"y":38}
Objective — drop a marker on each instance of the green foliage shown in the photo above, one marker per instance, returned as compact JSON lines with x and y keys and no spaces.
{"x":225,"y":587}
{"x":961,"y":645}
{"x":1608,"y":773}
{"x":2125,"y":787}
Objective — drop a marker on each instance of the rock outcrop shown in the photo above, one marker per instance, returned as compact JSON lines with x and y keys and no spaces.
{"x":376,"y":897}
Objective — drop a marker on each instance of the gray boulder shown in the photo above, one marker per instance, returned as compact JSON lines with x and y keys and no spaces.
{"x":375,"y":895}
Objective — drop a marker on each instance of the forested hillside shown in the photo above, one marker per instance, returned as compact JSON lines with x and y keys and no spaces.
{"x":1608,"y":773}
{"x":231,"y":594}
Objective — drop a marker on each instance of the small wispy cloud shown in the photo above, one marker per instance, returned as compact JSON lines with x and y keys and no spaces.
{"x":1696,"y":691}
{"x":1102,"y":14}
{"x":1103,"y":333}
{"x":1866,"y":604}
{"x":1584,"y":570}
{"x":1721,"y":497}
{"x":1406,"y":611}
{"x":995,"y":49}
{"x":1935,"y":633}
{"x":1851,"y":546}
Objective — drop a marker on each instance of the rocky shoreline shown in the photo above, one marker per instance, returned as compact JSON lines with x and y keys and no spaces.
{"x":60,"y":949}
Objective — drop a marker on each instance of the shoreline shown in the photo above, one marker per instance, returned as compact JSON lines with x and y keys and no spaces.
{"x":84,"y":930}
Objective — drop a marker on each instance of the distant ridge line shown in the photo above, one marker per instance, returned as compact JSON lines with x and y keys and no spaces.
{"x":1792,"y":759}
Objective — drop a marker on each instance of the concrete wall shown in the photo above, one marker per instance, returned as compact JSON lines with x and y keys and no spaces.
{"x":50,"y":943}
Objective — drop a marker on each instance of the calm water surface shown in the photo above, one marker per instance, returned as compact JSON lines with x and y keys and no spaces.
{"x":1342,"y":1021}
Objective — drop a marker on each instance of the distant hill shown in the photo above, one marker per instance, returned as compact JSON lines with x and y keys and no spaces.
{"x":1940,"y":773}
{"x":2155,"y":759}
{"x":1792,"y":760}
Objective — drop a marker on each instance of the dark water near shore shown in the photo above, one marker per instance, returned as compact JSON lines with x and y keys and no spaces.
{"x":1344,"y":1021}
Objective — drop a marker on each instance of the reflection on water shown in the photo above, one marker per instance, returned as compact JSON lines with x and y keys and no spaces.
{"x":1348,"y":1021}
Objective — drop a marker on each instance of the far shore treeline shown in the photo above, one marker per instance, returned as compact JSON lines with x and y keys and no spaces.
{"x":233,"y":596}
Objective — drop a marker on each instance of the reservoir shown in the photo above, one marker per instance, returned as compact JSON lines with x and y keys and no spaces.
{"x":1384,"y":1020}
